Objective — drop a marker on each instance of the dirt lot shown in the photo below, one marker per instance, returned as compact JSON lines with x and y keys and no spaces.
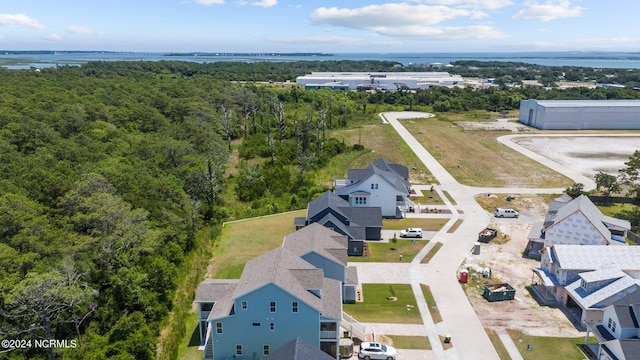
{"x":503,"y":256}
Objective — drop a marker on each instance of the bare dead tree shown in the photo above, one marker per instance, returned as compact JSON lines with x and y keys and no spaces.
{"x":227,"y":123}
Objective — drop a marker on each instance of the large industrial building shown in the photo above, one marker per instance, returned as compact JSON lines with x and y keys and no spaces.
{"x":378,"y":80}
{"x":580,"y":114}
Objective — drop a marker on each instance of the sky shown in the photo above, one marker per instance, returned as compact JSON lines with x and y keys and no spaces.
{"x":333,"y":26}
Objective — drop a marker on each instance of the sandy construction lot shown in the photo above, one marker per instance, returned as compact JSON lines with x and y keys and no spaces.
{"x":587,"y":155}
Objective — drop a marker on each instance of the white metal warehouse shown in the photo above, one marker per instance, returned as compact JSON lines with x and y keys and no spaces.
{"x":580,"y":114}
{"x":379,"y":80}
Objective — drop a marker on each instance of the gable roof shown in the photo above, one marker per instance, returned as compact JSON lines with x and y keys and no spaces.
{"x":396,"y":175}
{"x":583,"y":205}
{"x":607,"y":295}
{"x":627,"y":316}
{"x":630,"y":348}
{"x":279,"y":267}
{"x":298,"y":349}
{"x":330,"y":210}
{"x":319,"y":239}
{"x":593,"y":257}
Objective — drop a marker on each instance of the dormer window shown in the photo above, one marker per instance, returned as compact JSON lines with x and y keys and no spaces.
{"x":583,"y":285}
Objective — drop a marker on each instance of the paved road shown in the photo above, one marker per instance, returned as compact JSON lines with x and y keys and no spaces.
{"x":440,"y":274}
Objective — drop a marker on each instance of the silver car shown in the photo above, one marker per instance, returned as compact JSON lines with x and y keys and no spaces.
{"x":376,"y":351}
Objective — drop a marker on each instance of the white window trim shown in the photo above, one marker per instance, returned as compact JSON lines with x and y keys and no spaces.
{"x":239,"y":347}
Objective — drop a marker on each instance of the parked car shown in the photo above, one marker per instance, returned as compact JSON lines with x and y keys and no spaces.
{"x":506,"y":212}
{"x":411,"y":232}
{"x":376,"y":351}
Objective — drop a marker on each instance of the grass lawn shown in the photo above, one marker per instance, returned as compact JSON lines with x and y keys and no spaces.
{"x":384,"y":141}
{"x":547,"y":348}
{"x":455,"y":226}
{"x":377,"y":308}
{"x":381,"y":252}
{"x":476,"y":158}
{"x":243,"y":240}
{"x":188,"y":349}
{"x":410,"y":342}
{"x":503,"y":354}
{"x":614,"y":208}
{"x":431,"y":253}
{"x":433,"y":307}
{"x":425,"y":224}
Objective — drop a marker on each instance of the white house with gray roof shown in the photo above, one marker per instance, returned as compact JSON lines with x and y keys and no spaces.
{"x":586,"y":279}
{"x":279,"y":297}
{"x":381,"y":184}
{"x":575,"y":222}
{"x":617,"y":332}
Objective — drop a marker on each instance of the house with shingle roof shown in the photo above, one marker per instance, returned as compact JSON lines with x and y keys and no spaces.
{"x":297,"y":349}
{"x":335,"y":213}
{"x":587,"y":279}
{"x":279,"y":296}
{"x":326,"y":250}
{"x":381,"y":184}
{"x":617,"y":332}
{"x":575,"y":222}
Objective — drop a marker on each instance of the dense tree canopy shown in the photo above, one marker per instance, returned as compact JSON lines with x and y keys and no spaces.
{"x":108,"y":171}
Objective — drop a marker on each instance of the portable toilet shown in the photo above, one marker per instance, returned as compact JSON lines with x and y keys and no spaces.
{"x":464,"y":275}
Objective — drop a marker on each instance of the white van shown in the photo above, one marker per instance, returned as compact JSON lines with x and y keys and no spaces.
{"x":506,"y":213}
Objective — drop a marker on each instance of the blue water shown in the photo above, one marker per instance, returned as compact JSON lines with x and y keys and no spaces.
{"x":624,"y":60}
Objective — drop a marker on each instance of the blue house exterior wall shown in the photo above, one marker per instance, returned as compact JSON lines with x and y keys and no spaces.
{"x":332,"y":270}
{"x":238,"y":328}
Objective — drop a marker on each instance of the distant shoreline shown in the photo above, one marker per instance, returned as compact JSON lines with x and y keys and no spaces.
{"x":25,"y":59}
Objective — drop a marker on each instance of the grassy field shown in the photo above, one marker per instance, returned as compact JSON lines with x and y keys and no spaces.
{"x":614,"y":208}
{"x":188,"y":349}
{"x":378,"y":308}
{"x":410,"y":342}
{"x":384,"y":141}
{"x":243,"y":240}
{"x":475,"y":158}
{"x":547,"y":348}
{"x":425,"y":224}
{"x":382,"y":252}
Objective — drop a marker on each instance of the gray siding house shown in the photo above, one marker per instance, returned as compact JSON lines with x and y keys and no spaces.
{"x":335,"y":213}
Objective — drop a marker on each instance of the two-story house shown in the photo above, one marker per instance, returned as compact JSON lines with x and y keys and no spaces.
{"x":326,"y":250}
{"x":278,"y":298}
{"x":335,"y":213}
{"x":617,"y":332}
{"x":586,"y":279}
{"x":575,"y":222}
{"x":381,"y":184}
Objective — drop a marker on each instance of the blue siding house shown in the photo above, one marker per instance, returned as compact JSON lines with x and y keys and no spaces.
{"x":278,"y":298}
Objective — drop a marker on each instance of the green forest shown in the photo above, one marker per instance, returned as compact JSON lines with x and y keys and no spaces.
{"x":112,"y":174}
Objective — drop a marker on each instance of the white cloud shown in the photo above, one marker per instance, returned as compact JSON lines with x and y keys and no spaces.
{"x":20,"y":20}
{"x":264,"y":3}
{"x":442,"y":33}
{"x":406,"y":21}
{"x":549,"y":10}
{"x":52,"y":37}
{"x":80,"y":30}
{"x":386,"y":15}
{"x":475,"y":4}
{"x":209,"y":2}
